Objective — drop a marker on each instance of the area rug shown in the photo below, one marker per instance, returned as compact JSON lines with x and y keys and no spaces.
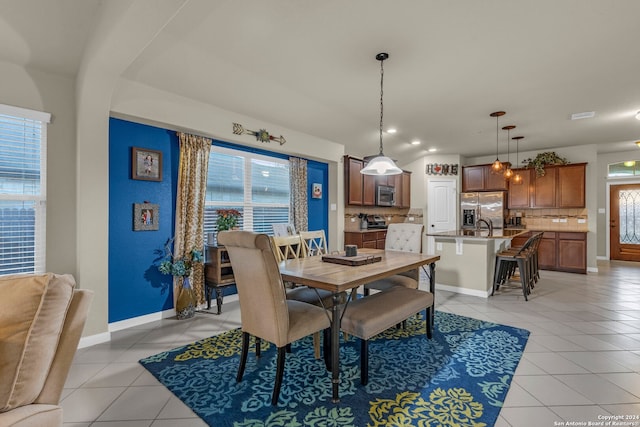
{"x":458,"y":378}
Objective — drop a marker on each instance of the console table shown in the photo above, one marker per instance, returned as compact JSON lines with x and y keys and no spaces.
{"x":217,"y":274}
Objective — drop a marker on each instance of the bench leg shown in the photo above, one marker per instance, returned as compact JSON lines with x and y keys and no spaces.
{"x":429,"y":328}
{"x":257,"y":347}
{"x":364,"y":362}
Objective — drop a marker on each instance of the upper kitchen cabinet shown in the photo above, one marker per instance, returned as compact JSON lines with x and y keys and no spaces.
{"x":480,"y":178}
{"x":571,"y":186}
{"x":353,"y":181}
{"x":544,"y":189}
{"x":360,"y":190}
{"x":520,"y":194}
{"x":560,"y":187}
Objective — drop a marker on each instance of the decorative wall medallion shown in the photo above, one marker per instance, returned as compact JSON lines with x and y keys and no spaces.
{"x":261,"y":135}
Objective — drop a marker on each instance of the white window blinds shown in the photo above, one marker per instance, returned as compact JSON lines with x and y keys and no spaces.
{"x":254,"y":184}
{"x":23,"y":136}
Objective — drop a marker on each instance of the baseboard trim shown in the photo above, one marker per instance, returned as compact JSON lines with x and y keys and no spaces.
{"x":463,"y":291}
{"x":592,"y":269}
{"x":92,"y":340}
{"x":141,"y":320}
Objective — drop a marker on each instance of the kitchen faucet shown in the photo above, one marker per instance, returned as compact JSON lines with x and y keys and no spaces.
{"x":479,"y":220}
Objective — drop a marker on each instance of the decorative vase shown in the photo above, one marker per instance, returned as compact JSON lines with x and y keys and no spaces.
{"x":186,"y":302}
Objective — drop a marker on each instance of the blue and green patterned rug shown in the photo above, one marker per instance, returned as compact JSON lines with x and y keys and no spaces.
{"x":458,"y":378}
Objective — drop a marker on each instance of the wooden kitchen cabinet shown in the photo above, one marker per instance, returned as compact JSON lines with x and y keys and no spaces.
{"x":561,"y":186}
{"x":480,"y":178}
{"x":543,"y":194}
{"x":373,"y":239}
{"x":559,"y":250}
{"x":520,"y":194}
{"x":354,"y":182}
{"x":547,"y":251}
{"x":473,"y":178}
{"x":572,"y":252}
{"x":360,"y":190}
{"x":406,"y":190}
{"x":571,"y":186}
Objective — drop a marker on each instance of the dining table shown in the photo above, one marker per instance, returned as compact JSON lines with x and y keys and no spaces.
{"x":339,"y":278}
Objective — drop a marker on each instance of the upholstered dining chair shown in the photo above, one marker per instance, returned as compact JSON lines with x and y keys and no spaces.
{"x":402,"y":237}
{"x":265,"y":311}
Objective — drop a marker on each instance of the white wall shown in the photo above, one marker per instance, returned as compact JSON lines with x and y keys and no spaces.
{"x":37,"y":90}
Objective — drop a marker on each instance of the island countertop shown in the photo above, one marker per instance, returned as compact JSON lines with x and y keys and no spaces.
{"x":498,"y":233}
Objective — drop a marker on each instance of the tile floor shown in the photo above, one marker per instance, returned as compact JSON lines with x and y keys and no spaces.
{"x":582,"y":361}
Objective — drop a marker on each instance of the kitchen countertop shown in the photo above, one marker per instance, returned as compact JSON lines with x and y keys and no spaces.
{"x":499,"y":233}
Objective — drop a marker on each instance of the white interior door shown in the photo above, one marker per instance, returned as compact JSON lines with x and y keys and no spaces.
{"x":442,"y":207}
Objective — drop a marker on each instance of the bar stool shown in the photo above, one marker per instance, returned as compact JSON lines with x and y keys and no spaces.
{"x":524,"y":259}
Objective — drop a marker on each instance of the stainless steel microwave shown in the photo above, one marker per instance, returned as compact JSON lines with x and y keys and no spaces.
{"x":385,"y":195}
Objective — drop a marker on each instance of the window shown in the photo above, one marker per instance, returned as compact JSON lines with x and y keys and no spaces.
{"x":629,"y":168}
{"x":23,"y":137}
{"x":254,"y":184}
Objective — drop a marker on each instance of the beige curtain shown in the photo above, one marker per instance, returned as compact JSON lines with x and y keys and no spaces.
{"x":298,"y":184}
{"x":192,"y":187}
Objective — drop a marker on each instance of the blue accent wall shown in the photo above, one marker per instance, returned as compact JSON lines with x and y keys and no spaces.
{"x":318,"y":209}
{"x":136,"y":287}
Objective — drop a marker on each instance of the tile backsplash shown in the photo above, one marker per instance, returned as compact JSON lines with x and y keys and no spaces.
{"x":554,"y":219}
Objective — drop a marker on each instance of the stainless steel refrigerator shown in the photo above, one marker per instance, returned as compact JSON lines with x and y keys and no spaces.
{"x":490,"y":205}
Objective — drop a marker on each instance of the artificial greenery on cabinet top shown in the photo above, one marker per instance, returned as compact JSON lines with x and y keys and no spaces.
{"x":544,"y":159}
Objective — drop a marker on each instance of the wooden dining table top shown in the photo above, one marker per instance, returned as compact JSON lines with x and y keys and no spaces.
{"x":314,"y":272}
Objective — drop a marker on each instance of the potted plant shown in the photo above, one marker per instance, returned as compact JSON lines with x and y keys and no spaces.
{"x":182,"y":268}
{"x":227,"y":219}
{"x":544,"y":159}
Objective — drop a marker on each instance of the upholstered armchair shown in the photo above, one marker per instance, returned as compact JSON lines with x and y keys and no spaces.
{"x":41,"y":321}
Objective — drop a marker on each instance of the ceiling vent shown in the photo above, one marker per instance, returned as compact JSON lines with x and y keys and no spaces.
{"x":585,"y":115}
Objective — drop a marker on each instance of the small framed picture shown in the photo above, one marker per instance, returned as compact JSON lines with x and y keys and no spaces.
{"x":316,"y":190}
{"x":146,"y":164}
{"x":146,"y":216}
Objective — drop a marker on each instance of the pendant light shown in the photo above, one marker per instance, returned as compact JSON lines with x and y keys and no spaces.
{"x":517,"y":178}
{"x":508,"y":172}
{"x":381,"y":164}
{"x":497,"y":166}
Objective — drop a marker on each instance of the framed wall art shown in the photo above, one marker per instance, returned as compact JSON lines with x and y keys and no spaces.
{"x":146,"y":164}
{"x":146,"y":216}
{"x":316,"y":190}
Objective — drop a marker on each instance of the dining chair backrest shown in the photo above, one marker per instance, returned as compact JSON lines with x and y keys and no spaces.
{"x":283,"y":229}
{"x":261,"y":293}
{"x":314,"y":243}
{"x":404,"y":237}
{"x":287,"y":247}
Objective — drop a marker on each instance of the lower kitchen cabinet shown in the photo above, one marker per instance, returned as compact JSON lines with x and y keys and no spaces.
{"x":373,"y":239}
{"x":572,"y":252}
{"x":560,"y":250}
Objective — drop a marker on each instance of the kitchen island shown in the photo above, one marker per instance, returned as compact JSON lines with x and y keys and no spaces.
{"x":467,"y":258}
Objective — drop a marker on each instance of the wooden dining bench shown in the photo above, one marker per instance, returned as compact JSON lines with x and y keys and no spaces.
{"x":367,"y":317}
